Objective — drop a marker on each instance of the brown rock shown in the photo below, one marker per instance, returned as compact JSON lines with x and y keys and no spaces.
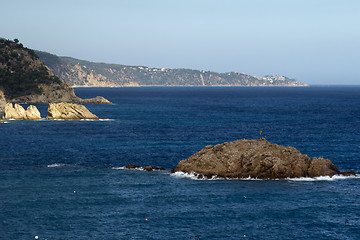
{"x":57,"y":93}
{"x":69,"y":111}
{"x":256,"y":159}
{"x":151,"y":168}
{"x":131,"y":166}
{"x":147,"y":168}
{"x":96,"y":100}
{"x":322,"y":167}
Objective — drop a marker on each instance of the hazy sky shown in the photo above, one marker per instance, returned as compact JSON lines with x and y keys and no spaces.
{"x":314,"y":41}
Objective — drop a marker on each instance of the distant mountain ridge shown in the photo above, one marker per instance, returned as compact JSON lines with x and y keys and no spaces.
{"x":81,"y":73}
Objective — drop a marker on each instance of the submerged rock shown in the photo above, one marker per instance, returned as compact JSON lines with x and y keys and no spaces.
{"x":17,"y":112}
{"x":151,"y":168}
{"x":69,"y":111}
{"x":131,"y":166}
{"x":255,"y":159}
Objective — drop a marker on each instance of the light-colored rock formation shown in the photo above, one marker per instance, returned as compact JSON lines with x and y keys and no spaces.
{"x":17,"y":112}
{"x":32,"y":113}
{"x":69,"y":111}
{"x":2,"y":102}
{"x":256,"y":159}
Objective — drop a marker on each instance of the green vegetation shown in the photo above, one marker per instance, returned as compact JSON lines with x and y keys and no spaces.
{"x":21,"y":71}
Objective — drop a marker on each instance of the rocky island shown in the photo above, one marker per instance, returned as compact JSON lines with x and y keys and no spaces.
{"x":24,"y":78}
{"x":256,"y":159}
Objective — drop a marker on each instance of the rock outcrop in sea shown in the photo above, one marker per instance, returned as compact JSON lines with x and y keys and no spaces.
{"x":17,"y":112}
{"x":69,"y":111}
{"x":146,"y":168}
{"x":256,"y":159}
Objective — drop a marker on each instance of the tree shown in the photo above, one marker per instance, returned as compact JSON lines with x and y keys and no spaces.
{"x":16,"y":40}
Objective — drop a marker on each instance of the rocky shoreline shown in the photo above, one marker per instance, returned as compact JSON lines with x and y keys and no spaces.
{"x":63,"y":111}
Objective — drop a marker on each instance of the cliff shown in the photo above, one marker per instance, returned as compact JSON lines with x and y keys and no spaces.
{"x":89,"y":74}
{"x":25,"y":78}
{"x":256,"y":159}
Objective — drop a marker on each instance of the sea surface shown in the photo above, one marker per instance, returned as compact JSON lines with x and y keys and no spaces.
{"x":65,"y":179}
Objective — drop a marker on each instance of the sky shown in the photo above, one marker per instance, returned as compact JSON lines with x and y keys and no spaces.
{"x":314,"y":41}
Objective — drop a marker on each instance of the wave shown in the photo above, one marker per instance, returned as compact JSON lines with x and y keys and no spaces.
{"x":196,"y":176}
{"x":54,"y":165}
{"x":323,"y":178}
{"x":193,"y":176}
{"x":118,"y":168}
{"x":124,"y":168}
{"x":100,"y":119}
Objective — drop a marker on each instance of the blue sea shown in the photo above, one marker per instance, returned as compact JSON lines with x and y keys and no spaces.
{"x":65,"y":179}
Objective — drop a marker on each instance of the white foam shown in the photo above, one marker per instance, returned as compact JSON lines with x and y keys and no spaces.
{"x":54,"y":165}
{"x":195,"y":176}
{"x":100,"y":119}
{"x":323,"y":178}
{"x":118,"y":168}
{"x":122,"y":168}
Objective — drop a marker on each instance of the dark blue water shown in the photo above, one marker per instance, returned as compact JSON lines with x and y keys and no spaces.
{"x":61,"y":179}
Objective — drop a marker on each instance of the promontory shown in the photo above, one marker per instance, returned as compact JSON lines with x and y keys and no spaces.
{"x":24,"y":78}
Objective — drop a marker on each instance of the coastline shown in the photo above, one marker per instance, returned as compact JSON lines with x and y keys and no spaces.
{"x":305,"y":85}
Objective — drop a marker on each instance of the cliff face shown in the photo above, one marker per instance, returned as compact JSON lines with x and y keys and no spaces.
{"x":89,"y":74}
